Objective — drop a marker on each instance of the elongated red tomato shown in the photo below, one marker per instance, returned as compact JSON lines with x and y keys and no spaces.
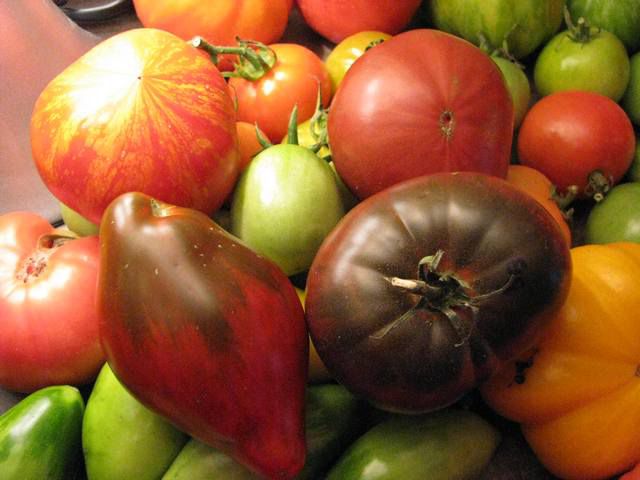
{"x":142,"y":111}
{"x":422,"y":102}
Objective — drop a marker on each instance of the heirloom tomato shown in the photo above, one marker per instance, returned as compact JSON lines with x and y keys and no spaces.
{"x":336,"y":19}
{"x":424,"y":289}
{"x":204,"y":331}
{"x":577,"y":138}
{"x":576,"y":391}
{"x":622,"y":18}
{"x":47,"y":305}
{"x":142,"y":111}
{"x":583,"y":58}
{"x":219,"y":21}
{"x":295,"y":79}
{"x":522,"y":24}
{"x":421,"y":102}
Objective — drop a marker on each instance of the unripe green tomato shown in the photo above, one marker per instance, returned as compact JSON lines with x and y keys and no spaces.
{"x":631,"y":99}
{"x":617,"y":217}
{"x":599,"y":64}
{"x":633,"y":174}
{"x":77,"y":223}
{"x":518,"y":86}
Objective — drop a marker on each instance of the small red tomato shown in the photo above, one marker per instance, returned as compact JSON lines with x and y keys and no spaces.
{"x":577,"y":138}
{"x":294,"y":80}
{"x":47,"y":305}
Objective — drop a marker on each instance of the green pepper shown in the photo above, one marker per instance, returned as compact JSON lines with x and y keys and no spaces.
{"x":334,"y":417}
{"x":445,"y":445}
{"x":123,"y":439}
{"x":40,"y":436}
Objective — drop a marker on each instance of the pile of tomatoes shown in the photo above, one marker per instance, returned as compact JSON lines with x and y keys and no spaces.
{"x":449,"y":187}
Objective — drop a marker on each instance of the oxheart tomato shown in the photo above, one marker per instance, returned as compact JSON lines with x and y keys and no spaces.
{"x":142,"y":111}
{"x":575,"y":393}
{"x":47,"y":305}
{"x":336,"y":19}
{"x":204,"y":331}
{"x":522,"y":24}
{"x":577,"y":139}
{"x":421,"y":102}
{"x":219,"y":21}
{"x":423,"y":290}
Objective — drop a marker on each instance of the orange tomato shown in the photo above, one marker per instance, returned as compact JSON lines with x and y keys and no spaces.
{"x":577,"y":393}
{"x":248,"y":143}
{"x":536,"y":184}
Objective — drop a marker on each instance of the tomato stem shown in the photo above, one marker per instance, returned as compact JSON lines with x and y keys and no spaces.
{"x":580,"y":31}
{"x":598,"y":184}
{"x":255,"y":58}
{"x":36,"y":263}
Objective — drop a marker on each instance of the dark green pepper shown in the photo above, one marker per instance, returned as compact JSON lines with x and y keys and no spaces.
{"x":40,"y":436}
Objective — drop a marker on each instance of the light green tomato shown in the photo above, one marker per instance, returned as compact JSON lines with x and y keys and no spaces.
{"x":121,"y":438}
{"x":76,"y":222}
{"x":631,"y":99}
{"x":284,"y":205}
{"x":518,"y":86}
{"x":524,"y":24}
{"x":599,"y":64}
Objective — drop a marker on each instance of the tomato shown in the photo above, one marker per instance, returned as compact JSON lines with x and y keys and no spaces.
{"x":411,"y":299}
{"x":219,"y":21}
{"x":518,"y":85}
{"x":47,"y":305}
{"x":142,"y":111}
{"x":335,"y":20}
{"x":633,"y":174}
{"x":205,"y":332}
{"x":576,"y":138}
{"x":294,"y":80}
{"x":248,"y":143}
{"x":523,"y":24}
{"x":342,"y":56}
{"x":285,"y":204}
{"x":539,"y":187}
{"x":583,"y":58}
{"x":421,"y":102}
{"x":617,"y":217}
{"x":631,"y":98}
{"x":622,"y":18}
{"x":576,"y":392}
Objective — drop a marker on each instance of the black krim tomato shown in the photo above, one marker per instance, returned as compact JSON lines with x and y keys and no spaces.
{"x":425,"y":289}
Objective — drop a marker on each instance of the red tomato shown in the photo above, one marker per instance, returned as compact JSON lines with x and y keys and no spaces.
{"x":47,"y":305}
{"x":421,"y":102}
{"x":218,"y":21}
{"x":142,"y":111}
{"x":293,"y":80}
{"x":337,"y":19}
{"x":569,"y":135}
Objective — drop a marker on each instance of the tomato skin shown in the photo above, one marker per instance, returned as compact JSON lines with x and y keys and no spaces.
{"x":599,"y":64}
{"x":248,"y":144}
{"x":582,"y":425}
{"x":47,"y":306}
{"x":218,"y":21}
{"x":569,"y":135}
{"x":395,"y":348}
{"x":617,"y":217}
{"x":421,"y":102}
{"x":294,"y":80}
{"x":524,"y":24}
{"x":518,"y":85}
{"x":335,"y":20}
{"x":141,"y":111}
{"x":631,"y":99}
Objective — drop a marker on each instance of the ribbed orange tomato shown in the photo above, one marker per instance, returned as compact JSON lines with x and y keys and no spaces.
{"x":577,"y":392}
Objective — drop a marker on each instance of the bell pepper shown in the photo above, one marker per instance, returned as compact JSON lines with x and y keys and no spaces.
{"x":121,"y":438}
{"x":40,"y":436}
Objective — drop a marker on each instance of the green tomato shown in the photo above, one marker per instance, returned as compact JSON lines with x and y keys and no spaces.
{"x":518,"y":86}
{"x":620,"y":17}
{"x":633,"y":174}
{"x":617,"y":217}
{"x":121,"y":438}
{"x":284,"y":205}
{"x":76,"y":222}
{"x":523,"y":24}
{"x":592,"y":60}
{"x":631,"y":99}
{"x":443,"y":445}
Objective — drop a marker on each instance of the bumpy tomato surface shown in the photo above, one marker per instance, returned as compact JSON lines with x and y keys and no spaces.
{"x":142,"y":111}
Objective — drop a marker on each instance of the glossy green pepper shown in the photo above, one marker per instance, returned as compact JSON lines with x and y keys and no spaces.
{"x":121,"y":438}
{"x":445,"y":445}
{"x":40,"y":436}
